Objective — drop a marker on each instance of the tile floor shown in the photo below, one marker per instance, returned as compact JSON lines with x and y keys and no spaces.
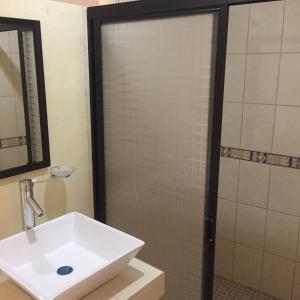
{"x":228,"y":290}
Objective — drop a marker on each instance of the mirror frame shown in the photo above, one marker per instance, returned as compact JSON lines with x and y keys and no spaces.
{"x":35,"y":27}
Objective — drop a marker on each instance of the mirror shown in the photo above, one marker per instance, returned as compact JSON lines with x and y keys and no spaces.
{"x":24,"y":144}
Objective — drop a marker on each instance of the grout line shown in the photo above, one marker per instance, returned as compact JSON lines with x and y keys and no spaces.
{"x":275,"y":52}
{"x":260,"y":250}
{"x":261,"y":207}
{"x":257,"y":103}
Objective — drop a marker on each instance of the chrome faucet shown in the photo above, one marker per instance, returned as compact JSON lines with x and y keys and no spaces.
{"x":29,"y":206}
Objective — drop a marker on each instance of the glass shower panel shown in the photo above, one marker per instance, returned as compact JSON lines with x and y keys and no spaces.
{"x":157,"y":79}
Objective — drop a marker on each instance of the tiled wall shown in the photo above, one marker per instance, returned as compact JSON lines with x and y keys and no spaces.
{"x":259,"y":204}
{"x":12,"y":122}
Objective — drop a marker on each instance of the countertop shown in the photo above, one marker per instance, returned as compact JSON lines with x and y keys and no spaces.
{"x":138,"y":281}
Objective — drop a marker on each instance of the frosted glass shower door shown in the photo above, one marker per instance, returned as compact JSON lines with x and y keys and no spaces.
{"x":157,"y":90}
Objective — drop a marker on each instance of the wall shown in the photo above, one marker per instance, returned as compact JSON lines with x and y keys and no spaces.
{"x":259,"y":206}
{"x":12,"y":123}
{"x":81,"y":2}
{"x":65,"y":62}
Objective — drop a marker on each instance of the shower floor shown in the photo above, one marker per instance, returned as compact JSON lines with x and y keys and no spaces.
{"x":228,"y":290}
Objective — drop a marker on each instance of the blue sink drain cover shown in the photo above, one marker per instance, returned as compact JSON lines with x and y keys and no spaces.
{"x":64,"y":270}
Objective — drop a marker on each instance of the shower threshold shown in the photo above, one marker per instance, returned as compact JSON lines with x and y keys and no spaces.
{"x":227,"y":290}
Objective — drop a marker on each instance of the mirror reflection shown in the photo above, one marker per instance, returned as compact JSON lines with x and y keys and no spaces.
{"x":20,"y":129}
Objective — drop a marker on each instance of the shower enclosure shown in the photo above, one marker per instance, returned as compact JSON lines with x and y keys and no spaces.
{"x":157,"y":80}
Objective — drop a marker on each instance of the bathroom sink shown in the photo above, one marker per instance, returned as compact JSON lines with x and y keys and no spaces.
{"x":66,"y":258}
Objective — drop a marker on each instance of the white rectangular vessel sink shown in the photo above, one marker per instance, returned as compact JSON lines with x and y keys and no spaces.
{"x":66,"y":258}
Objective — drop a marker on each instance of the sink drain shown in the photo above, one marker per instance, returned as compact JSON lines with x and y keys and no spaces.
{"x":64,"y":270}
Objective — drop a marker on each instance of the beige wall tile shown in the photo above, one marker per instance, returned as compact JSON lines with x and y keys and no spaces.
{"x":298,"y":250}
{"x":9,"y":158}
{"x":250,"y":226}
{"x":228,"y":181}
{"x":4,"y":41}
{"x":253,"y":183}
{"x":235,"y":78}
{"x":291,"y":34}
{"x":238,"y":29}
{"x":261,"y":78}
{"x":282,"y":234}
{"x":8,"y":119}
{"x":23,"y":155}
{"x":257,"y":127}
{"x":16,"y":71}
{"x":6,"y":75}
{"x":265,"y":29}
{"x":13,"y":41}
{"x":21,"y":129}
{"x":247,"y":266}
{"x":232,"y":124}
{"x":224,"y":258}
{"x":226,"y":219}
{"x":285,"y":190}
{"x":286,"y":132}
{"x":277,"y":276}
{"x":289,"y":87}
{"x":296,"y":290}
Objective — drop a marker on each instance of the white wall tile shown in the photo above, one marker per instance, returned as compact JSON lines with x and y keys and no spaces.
{"x":8,"y":121}
{"x":235,"y":78}
{"x":286,"y":132}
{"x":277,"y":276}
{"x":238,"y":29}
{"x":247,"y":266}
{"x":265,"y":29}
{"x":224,"y":258}
{"x":228,"y":181}
{"x":253,"y":183}
{"x":282,"y":234}
{"x":291,"y":34}
{"x":257,"y":127}
{"x":285,"y":190}
{"x":226,"y":219}
{"x":289,"y":87}
{"x":262,"y":78}
{"x":250,"y":226}
{"x":232,"y":124}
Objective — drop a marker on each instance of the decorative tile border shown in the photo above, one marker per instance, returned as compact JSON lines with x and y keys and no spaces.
{"x":261,"y":157}
{"x":13,"y":142}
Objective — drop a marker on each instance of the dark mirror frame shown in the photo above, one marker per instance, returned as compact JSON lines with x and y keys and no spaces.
{"x":34,"y":26}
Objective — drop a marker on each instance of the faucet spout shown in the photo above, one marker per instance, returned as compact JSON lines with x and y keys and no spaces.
{"x":29,"y":206}
{"x":38,"y":211}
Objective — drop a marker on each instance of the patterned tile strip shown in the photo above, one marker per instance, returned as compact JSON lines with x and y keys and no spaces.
{"x":261,"y":157}
{"x":13,"y":142}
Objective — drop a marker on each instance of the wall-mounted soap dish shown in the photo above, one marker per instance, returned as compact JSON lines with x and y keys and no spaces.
{"x":61,"y":171}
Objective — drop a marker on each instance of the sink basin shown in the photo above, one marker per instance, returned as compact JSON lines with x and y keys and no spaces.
{"x":66,"y":258}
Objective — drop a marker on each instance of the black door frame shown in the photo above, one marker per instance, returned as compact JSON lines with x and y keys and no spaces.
{"x":142,"y":10}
